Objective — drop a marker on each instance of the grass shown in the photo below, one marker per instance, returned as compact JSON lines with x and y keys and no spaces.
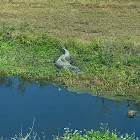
{"x":109,"y":20}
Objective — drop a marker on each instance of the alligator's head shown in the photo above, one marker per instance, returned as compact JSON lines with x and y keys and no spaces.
{"x":62,"y":50}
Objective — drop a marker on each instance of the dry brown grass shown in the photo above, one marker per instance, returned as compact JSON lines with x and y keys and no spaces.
{"x":81,"y":20}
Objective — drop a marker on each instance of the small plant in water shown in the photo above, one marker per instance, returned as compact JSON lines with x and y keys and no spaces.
{"x":28,"y":135}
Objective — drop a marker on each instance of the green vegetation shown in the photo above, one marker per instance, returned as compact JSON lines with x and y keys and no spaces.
{"x":69,"y":134}
{"x":94,"y":135}
{"x":108,"y":67}
{"x":105,"y":134}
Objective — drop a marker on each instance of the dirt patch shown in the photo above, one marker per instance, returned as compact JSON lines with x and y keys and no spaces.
{"x":8,"y":15}
{"x":81,"y":22}
{"x":87,"y":31}
{"x":32,"y":4}
{"x":90,"y":6}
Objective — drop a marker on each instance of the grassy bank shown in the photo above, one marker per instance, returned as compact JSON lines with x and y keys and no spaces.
{"x":108,"y":67}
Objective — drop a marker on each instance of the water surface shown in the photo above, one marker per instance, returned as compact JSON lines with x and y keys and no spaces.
{"x":55,"y":108}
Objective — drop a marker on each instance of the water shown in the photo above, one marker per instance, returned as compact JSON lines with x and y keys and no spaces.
{"x":55,"y":108}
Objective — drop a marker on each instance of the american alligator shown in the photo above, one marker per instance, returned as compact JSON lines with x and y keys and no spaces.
{"x":64,"y":61}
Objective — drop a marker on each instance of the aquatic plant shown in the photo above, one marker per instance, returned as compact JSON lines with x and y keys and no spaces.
{"x":28,"y":135}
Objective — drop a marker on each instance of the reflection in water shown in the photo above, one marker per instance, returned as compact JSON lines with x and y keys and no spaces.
{"x":9,"y":83}
{"x":55,"y":109}
{"x":23,"y":82}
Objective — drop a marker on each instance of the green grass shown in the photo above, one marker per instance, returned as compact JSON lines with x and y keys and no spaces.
{"x":110,"y":68}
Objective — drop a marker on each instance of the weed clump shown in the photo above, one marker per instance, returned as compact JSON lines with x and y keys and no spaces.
{"x":95,"y":135}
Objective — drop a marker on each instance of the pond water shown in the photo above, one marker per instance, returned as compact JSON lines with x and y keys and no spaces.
{"x":55,"y":108}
